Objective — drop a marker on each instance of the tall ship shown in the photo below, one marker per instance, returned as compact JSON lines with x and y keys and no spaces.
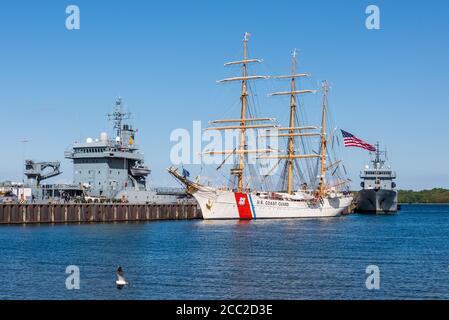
{"x":295,"y":199}
{"x":378,"y":194}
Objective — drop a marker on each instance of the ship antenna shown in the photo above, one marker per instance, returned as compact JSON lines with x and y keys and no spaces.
{"x":378,"y":162}
{"x":377,"y":152}
{"x":118,"y":116}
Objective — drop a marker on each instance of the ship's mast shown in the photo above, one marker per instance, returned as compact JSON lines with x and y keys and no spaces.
{"x":377,"y":152}
{"x":291,"y":156}
{"x":291,"y":148}
{"x":118,"y":116}
{"x":243,"y":125}
{"x":378,"y":162}
{"x":323,"y":141}
{"x":241,"y":166}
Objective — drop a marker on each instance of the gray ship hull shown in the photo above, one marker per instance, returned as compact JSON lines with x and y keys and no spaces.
{"x":377,"y":201}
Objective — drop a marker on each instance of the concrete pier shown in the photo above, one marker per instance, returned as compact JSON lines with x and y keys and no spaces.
{"x":94,"y":213}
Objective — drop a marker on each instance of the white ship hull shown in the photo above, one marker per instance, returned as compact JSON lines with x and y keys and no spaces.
{"x":220,"y":204}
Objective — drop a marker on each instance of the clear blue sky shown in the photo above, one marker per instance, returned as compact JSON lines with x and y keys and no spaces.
{"x":163,"y":58}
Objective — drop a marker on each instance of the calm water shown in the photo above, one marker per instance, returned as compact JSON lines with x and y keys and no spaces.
{"x":286,"y":259}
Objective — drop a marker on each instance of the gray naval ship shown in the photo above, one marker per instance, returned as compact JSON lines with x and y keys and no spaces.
{"x":378,"y":194}
{"x":104,"y":170}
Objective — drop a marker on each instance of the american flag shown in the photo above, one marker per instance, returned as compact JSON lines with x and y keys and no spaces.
{"x":352,"y":141}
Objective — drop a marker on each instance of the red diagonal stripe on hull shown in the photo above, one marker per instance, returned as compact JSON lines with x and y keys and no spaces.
{"x":243,"y":205}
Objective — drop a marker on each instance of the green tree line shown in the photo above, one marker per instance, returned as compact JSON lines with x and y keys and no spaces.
{"x":436,"y":195}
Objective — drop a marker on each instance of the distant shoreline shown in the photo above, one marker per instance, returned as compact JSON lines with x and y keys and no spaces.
{"x":425,"y":203}
{"x":433,"y":196}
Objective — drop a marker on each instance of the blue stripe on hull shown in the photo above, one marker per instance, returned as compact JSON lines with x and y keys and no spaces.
{"x":252,"y":206}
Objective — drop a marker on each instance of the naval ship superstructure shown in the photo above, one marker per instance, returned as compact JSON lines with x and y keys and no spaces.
{"x":378,"y":194}
{"x":104,"y":170}
{"x":114,"y":168}
{"x":105,"y":166}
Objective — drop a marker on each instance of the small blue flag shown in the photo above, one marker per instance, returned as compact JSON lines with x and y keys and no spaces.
{"x":185,"y":173}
